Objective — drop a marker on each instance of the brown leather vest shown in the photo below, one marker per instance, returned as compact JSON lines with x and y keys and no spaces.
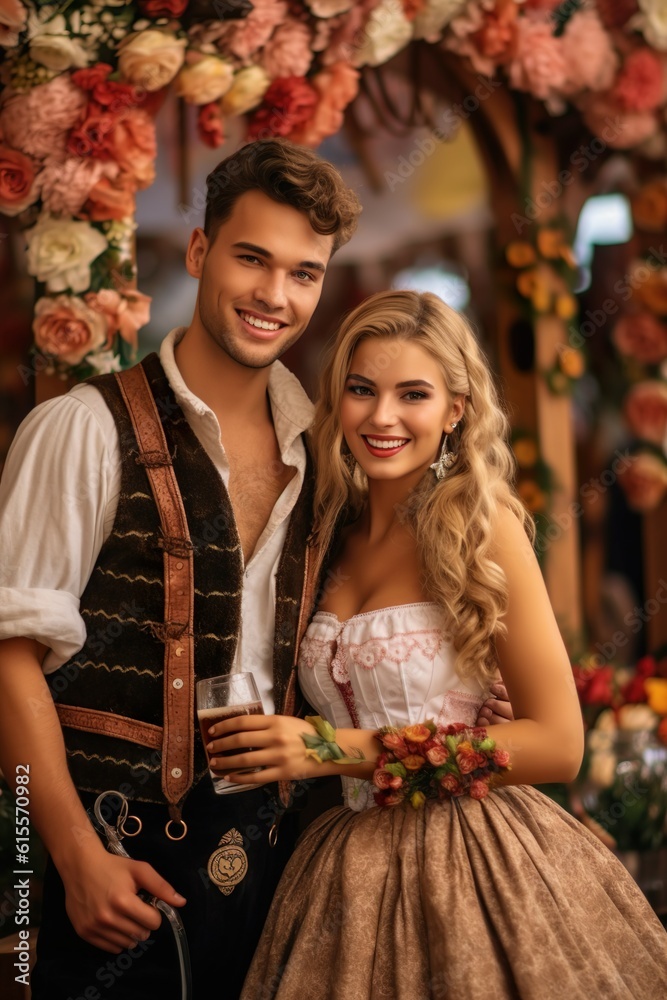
{"x":162,"y":606}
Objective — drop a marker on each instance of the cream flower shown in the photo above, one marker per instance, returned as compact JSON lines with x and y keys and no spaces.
{"x":246,"y":92}
{"x":652,"y":22}
{"x":52,"y":45}
{"x":151,"y":59}
{"x":602,"y":770}
{"x":65,"y":185}
{"x":435,"y":16}
{"x":329,"y":8}
{"x":634,"y":718}
{"x":104,"y":362}
{"x":387,"y":31}
{"x":204,"y":81}
{"x":60,"y":252}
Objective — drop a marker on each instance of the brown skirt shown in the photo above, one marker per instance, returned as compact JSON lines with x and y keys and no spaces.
{"x":505,"y":898}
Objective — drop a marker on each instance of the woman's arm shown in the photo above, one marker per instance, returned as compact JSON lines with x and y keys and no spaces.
{"x":546,"y":740}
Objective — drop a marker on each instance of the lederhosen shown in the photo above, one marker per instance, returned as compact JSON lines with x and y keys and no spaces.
{"x":162,"y":609}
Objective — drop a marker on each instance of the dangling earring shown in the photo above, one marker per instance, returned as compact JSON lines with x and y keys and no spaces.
{"x":445,"y":461}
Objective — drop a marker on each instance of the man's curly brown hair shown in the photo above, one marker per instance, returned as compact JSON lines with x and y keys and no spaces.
{"x":289,"y":174}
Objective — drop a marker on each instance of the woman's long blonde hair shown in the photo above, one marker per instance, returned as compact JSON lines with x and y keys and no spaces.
{"x":453,"y":520}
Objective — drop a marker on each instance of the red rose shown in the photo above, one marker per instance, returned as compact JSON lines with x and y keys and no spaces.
{"x":501,"y":757}
{"x":287,"y":104}
{"x":388,"y":798}
{"x":91,"y":138}
{"x":634,"y":691}
{"x":451,"y":784}
{"x":454,"y":728}
{"x":437,"y":755}
{"x":163,"y":8}
{"x":89,"y":78}
{"x":662,"y":730}
{"x":210,"y":126}
{"x":382,"y":778}
{"x":601,"y":688}
{"x":479,"y":788}
{"x":647,"y":666}
{"x":466,"y":758}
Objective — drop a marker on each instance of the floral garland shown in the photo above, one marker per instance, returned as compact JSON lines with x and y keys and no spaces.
{"x":83,"y":81}
{"x":640,"y":338}
{"x":425,"y":761}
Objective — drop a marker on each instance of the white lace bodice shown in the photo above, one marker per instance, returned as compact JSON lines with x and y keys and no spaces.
{"x":392,"y":667}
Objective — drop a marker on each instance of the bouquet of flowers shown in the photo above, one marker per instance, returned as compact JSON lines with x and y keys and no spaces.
{"x":426,"y":761}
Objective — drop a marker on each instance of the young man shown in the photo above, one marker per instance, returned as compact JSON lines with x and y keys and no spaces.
{"x":115,"y":607}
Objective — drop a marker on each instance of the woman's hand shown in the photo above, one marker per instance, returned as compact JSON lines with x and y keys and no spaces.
{"x":497,"y":708}
{"x":276,"y":745}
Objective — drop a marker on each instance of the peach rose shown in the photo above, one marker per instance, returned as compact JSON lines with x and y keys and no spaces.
{"x":337,"y":86}
{"x":620,"y":129}
{"x":251,"y":33}
{"x":644,"y":481}
{"x":413,"y":762}
{"x":66,"y":329}
{"x":479,"y":788}
{"x":451,"y":784}
{"x":641,"y":336}
{"x":437,"y":755}
{"x":17,"y":181}
{"x":151,"y":59}
{"x":652,"y":291}
{"x":110,"y":198}
{"x":418,"y":733}
{"x":501,"y":757}
{"x":396,"y":744}
{"x":124,"y":314}
{"x":13,"y":16}
{"x":646,"y":411}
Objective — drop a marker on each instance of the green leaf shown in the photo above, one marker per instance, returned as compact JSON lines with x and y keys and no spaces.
{"x":397,"y":769}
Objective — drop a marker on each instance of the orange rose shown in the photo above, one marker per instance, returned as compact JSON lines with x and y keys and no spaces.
{"x":649,"y":206}
{"x":109,"y":199}
{"x":132,"y":145}
{"x":534,"y":498}
{"x":519,"y":254}
{"x":337,"y":86}
{"x":525,"y":452}
{"x":413,"y":762}
{"x":67,"y":329}
{"x":571,"y":362}
{"x":418,"y":733}
{"x":652,"y":291}
{"x":17,"y":181}
{"x":550,"y":242}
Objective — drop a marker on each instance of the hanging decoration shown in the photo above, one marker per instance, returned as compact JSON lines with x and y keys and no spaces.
{"x":83,"y":81}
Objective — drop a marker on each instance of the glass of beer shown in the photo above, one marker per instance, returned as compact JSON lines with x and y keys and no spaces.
{"x":220,"y":698}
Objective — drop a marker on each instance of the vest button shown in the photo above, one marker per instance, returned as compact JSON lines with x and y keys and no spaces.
{"x":180,"y":592}
{"x":178,"y":683}
{"x":176,"y":772}
{"x":179,"y":565}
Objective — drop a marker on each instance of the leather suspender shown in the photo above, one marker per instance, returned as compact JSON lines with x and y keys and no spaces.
{"x":177,"y":631}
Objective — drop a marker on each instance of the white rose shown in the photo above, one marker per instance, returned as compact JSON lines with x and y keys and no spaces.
{"x":387,"y":31}
{"x":104,"y":362}
{"x":60,"y":252}
{"x":602,"y":770}
{"x":151,"y":59}
{"x":329,"y":8}
{"x":204,"y":81}
{"x":246,"y":91}
{"x":652,"y":22}
{"x":436,"y":15}
{"x":52,"y":46}
{"x":634,"y":718}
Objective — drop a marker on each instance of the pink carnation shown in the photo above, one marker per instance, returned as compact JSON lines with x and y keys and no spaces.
{"x":619,"y":129}
{"x":336,"y":36}
{"x":288,"y":52}
{"x":641,"y":82}
{"x":589,"y":54}
{"x":65,"y":185}
{"x":467,"y":33}
{"x":13,"y":16}
{"x":38,"y":121}
{"x":254,"y":31}
{"x":539,"y":65}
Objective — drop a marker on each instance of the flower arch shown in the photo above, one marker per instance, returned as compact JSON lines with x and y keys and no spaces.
{"x":83,"y":79}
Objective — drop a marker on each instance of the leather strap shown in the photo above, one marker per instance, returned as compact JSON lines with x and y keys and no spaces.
{"x":177,"y":633}
{"x":90,"y":720}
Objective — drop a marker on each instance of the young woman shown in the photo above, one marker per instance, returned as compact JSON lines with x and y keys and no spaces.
{"x":432,"y":587}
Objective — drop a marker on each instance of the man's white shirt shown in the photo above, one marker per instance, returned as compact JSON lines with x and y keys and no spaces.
{"x":58,"y":500}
